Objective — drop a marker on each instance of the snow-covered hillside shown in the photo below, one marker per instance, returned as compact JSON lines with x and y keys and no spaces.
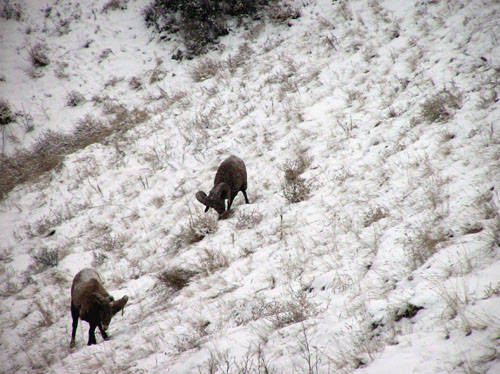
{"x":371,"y":244}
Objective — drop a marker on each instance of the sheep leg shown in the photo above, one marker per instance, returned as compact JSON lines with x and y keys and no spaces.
{"x":92,"y":334}
{"x":231,"y":200}
{"x":103,"y":332}
{"x":246,"y":198}
{"x":75,"y":316}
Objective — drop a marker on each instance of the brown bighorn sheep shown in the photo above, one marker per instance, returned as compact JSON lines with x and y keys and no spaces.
{"x":92,"y":303}
{"x":231,"y":178}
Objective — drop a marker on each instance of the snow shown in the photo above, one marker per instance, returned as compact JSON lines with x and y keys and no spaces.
{"x":402,"y":212}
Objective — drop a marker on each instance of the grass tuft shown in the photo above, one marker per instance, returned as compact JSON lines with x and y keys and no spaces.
{"x":439,"y":108}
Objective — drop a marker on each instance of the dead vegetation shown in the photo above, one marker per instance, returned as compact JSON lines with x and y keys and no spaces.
{"x":176,"y":278}
{"x":295,"y":188}
{"x":440,"y":107}
{"x":50,"y":149}
{"x":196,"y":229}
{"x":38,"y":55}
{"x":10,"y":9}
{"x":6,"y":114}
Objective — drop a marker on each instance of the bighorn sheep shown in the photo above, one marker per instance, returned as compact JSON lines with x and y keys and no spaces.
{"x":231,"y":178}
{"x":92,"y":303}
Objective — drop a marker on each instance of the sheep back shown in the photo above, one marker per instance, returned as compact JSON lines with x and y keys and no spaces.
{"x":86,"y":282}
{"x":233,"y":172}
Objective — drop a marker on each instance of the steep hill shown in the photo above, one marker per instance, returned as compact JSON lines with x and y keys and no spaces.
{"x":371,"y":136}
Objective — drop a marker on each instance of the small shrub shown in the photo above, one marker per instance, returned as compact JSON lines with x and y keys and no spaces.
{"x":283,"y":313}
{"x":197,"y":228}
{"x":112,"y":81}
{"x":157,"y":75}
{"x":374,"y":215}
{"x":6,"y":114}
{"x":295,"y":188}
{"x":105,"y":54}
{"x":282,"y":12}
{"x":213,"y":260}
{"x":407,"y":311}
{"x":74,"y":98}
{"x":205,"y":69}
{"x":193,"y":339}
{"x":248,"y":220}
{"x":114,"y":5}
{"x":45,"y":259}
{"x":11,"y":10}
{"x":109,"y":242}
{"x":60,"y":72}
{"x":423,"y":243}
{"x":135,"y":84}
{"x":200,"y":22}
{"x":176,"y":278}
{"x":26,"y":120}
{"x":38,"y":55}
{"x":158,"y":201}
{"x":49,"y":150}
{"x":294,"y":168}
{"x":439,"y":107}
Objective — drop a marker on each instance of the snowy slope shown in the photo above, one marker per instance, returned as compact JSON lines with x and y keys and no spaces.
{"x":391,"y":263}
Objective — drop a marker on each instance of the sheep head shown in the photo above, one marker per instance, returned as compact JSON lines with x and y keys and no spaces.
{"x":108,"y":307}
{"x":216,"y":197}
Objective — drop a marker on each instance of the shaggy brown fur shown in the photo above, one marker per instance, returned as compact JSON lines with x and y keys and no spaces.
{"x":231,"y":178}
{"x":92,"y":303}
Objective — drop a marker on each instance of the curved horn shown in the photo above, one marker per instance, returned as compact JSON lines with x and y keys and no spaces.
{"x":202,"y":197}
{"x":119,"y":305}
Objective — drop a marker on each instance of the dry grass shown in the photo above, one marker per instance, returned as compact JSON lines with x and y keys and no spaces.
{"x":286,"y":312}
{"x":422,"y":243}
{"x":45,"y":259}
{"x":294,"y":187}
{"x":74,"y":98}
{"x":176,"y":278}
{"x":282,"y":12}
{"x":10,"y":9}
{"x":38,"y":55}
{"x":114,"y":5}
{"x":205,"y":69}
{"x":373,"y":215}
{"x":135,"y":84}
{"x":6,"y":114}
{"x":439,"y":108}
{"x":248,"y":220}
{"x":197,"y":228}
{"x":109,"y":242}
{"x":212,"y":260}
{"x":50,"y":149}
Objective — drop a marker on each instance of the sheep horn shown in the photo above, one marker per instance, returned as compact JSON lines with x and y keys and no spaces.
{"x":202,"y":198}
{"x":119,"y":305}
